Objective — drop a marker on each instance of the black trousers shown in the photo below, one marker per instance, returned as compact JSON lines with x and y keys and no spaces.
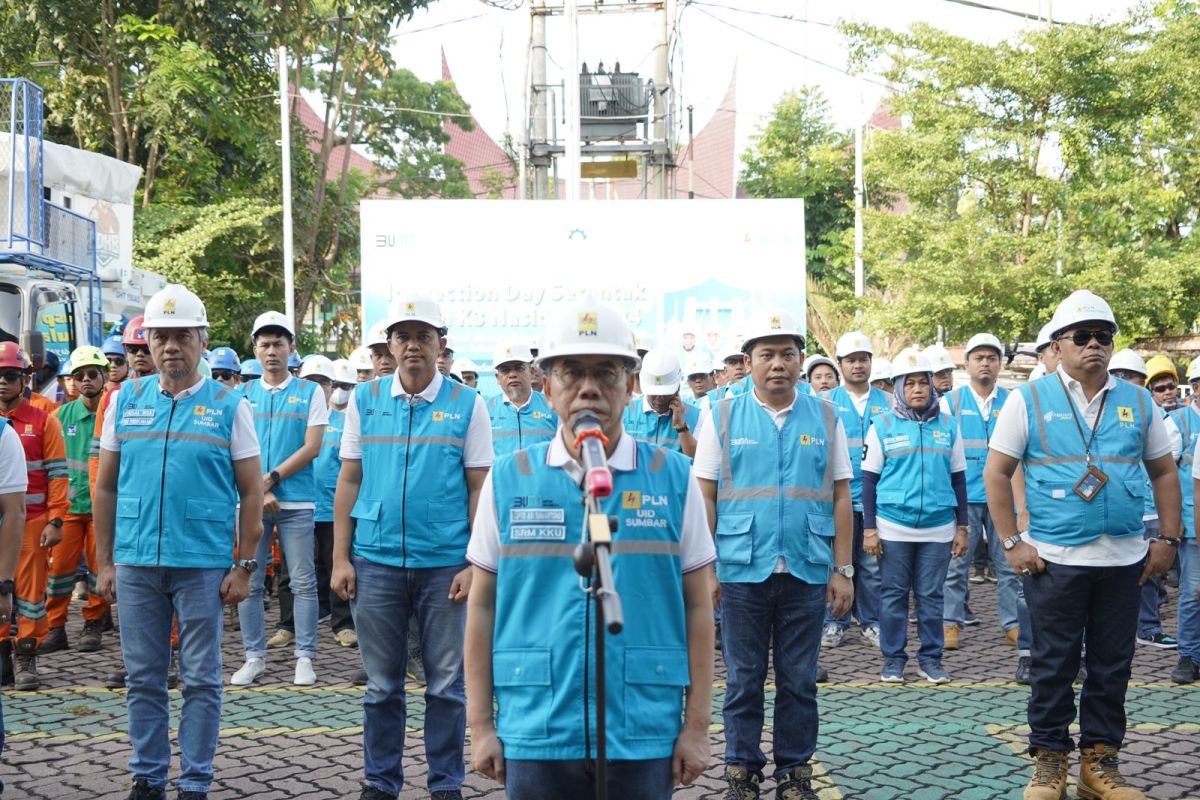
{"x":327,"y":600}
{"x":1065,"y":604}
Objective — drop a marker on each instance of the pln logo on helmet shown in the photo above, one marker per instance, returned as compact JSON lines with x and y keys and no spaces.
{"x":588,"y":323}
{"x":169,"y":306}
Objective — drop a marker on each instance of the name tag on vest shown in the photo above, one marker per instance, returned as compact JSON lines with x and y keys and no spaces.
{"x":138,"y":417}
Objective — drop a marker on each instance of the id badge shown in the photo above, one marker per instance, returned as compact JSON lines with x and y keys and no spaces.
{"x":1090,"y":484}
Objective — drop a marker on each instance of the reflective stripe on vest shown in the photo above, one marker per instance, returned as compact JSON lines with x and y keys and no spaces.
{"x":976,"y":435}
{"x":856,"y":426}
{"x":914,"y":487}
{"x":281,"y":422}
{"x":1187,"y":420}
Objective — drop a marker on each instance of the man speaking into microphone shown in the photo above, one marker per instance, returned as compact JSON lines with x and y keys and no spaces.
{"x":530,"y":626}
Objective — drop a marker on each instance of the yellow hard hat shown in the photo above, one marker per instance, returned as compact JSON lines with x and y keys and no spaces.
{"x":86,"y":356}
{"x":1159,"y":366}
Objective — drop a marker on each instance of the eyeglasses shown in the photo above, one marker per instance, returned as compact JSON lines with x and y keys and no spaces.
{"x":1081,"y":337}
{"x":569,"y":375}
{"x":87,"y":374}
{"x":1164,"y":387}
{"x":137,"y":349}
{"x":1127,"y":375}
{"x":223,"y":374}
{"x":116,"y":361}
{"x":12,"y":375}
{"x":340,"y":385}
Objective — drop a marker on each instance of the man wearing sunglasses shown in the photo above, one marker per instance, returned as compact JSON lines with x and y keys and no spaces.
{"x":114,"y":353}
{"x":226,"y":367}
{"x":1082,"y":438}
{"x":89,"y":370}
{"x":46,"y":507}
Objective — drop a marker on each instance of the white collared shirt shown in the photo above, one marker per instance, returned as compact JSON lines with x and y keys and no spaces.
{"x":696,"y":548}
{"x":1011,"y":438}
{"x":477,"y":449}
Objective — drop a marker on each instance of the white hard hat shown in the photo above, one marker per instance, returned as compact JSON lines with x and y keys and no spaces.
{"x":1044,"y":337}
{"x":587,"y":327}
{"x":1128,"y":360}
{"x":464,"y":365}
{"x":732,"y":349}
{"x":774,"y":322}
{"x":376,"y":334}
{"x":816,"y":361}
{"x":343,"y":371}
{"x":511,"y":351}
{"x":643,"y":341}
{"x":317,"y":365}
{"x":911,"y":361}
{"x":853,"y":342}
{"x":414,"y":307}
{"x":271,"y":319}
{"x":984,"y":340}
{"x":881,"y":369}
{"x":939,"y":358}
{"x":360,"y":359}
{"x":449,"y":344}
{"x":175,"y":306}
{"x":1081,"y":306}
{"x":697,"y":364}
{"x":661,"y":373}
{"x":1193,"y":370}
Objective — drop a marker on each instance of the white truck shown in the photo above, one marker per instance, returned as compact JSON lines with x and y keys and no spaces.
{"x":66,"y":235}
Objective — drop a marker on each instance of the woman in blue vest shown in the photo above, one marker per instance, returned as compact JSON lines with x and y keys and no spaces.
{"x":914,"y":514}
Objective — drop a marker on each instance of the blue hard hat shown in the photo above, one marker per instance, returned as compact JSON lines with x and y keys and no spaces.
{"x":65,"y":370}
{"x":294,"y":360}
{"x":112,"y":346}
{"x":225,"y":358}
{"x":52,"y":360}
{"x":251,"y":368}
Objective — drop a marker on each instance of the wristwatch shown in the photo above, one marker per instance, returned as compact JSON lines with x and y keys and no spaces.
{"x":681,"y":428}
{"x":56,"y":522}
{"x":248,"y":564}
{"x":7,"y":587}
{"x":1171,"y":540}
{"x":846,"y":571}
{"x":275,"y":479}
{"x":1010,"y":542}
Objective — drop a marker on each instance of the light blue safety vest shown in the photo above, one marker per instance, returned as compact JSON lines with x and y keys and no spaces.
{"x":693,"y":401}
{"x":914,"y":488}
{"x":739,"y":388}
{"x":538,"y":656}
{"x":176,"y":495}
{"x":412,"y":504}
{"x":1187,"y":419}
{"x":976,"y":434}
{"x":281,"y":422}
{"x":856,"y":426}
{"x":328,"y":465}
{"x":514,"y":429}
{"x":1150,"y":510}
{"x":1054,"y":461}
{"x":774,"y":490}
{"x":647,"y":425}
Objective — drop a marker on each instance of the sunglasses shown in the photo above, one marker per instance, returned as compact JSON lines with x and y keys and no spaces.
{"x":1164,"y":387}
{"x":87,"y":374}
{"x":12,"y":376}
{"x":116,"y":361}
{"x":224,"y":374}
{"x":137,"y":349}
{"x":1081,"y":337}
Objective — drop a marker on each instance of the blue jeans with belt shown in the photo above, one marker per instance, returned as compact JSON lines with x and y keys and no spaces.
{"x":383,"y":600}
{"x":790,"y":612}
{"x":150,"y":598}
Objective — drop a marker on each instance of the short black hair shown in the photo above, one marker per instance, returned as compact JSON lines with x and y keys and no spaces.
{"x":273,"y":330}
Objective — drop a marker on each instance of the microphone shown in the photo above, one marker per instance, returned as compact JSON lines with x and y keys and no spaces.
{"x":591,"y":441}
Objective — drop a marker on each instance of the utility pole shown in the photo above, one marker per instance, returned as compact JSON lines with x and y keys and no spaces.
{"x":572,"y":156}
{"x":691,"y":157}
{"x":540,"y":121}
{"x":285,"y":140}
{"x":858,"y":214}
{"x":661,"y":79}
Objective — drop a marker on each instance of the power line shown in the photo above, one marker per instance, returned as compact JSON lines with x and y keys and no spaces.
{"x":1002,"y":10}
{"x":438,"y":25}
{"x":787,"y":17}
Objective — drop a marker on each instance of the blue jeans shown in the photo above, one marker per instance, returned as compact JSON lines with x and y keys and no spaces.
{"x":919,"y":567}
{"x":1189,"y":610}
{"x":1010,"y":597}
{"x":790,"y":611}
{"x":627,"y":780}
{"x":384,"y":598}
{"x":1149,"y":620}
{"x":866,"y":585}
{"x":1066,"y":603}
{"x":150,"y":597}
{"x":299,"y":548}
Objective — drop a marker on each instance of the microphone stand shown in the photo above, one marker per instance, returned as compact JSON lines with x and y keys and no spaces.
{"x":592,"y":561}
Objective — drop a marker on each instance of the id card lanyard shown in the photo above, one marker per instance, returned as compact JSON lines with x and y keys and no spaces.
{"x":1093,"y":479}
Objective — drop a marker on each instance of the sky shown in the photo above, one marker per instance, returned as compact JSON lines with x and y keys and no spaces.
{"x":486,"y":47}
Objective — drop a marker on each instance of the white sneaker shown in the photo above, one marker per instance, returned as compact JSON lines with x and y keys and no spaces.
{"x":832,"y":636}
{"x":249,"y":672}
{"x":871,"y":634}
{"x":305,"y":676}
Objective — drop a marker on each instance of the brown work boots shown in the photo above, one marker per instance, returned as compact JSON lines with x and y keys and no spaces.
{"x":1100,"y":775}
{"x":1049,"y":780}
{"x":25,"y":673}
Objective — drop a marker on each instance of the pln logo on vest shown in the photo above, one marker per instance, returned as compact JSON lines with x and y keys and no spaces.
{"x":806,"y":440}
{"x":631,"y":500}
{"x":588,"y":323}
{"x":540,"y":415}
{"x":1125,"y":414}
{"x":442,"y":416}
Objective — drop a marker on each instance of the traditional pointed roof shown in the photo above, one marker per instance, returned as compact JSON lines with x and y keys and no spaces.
{"x":478,"y":152}
{"x":314,"y":123}
{"x":715,"y":151}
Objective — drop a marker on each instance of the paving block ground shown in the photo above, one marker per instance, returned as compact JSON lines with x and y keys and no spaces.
{"x":964,"y":740}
